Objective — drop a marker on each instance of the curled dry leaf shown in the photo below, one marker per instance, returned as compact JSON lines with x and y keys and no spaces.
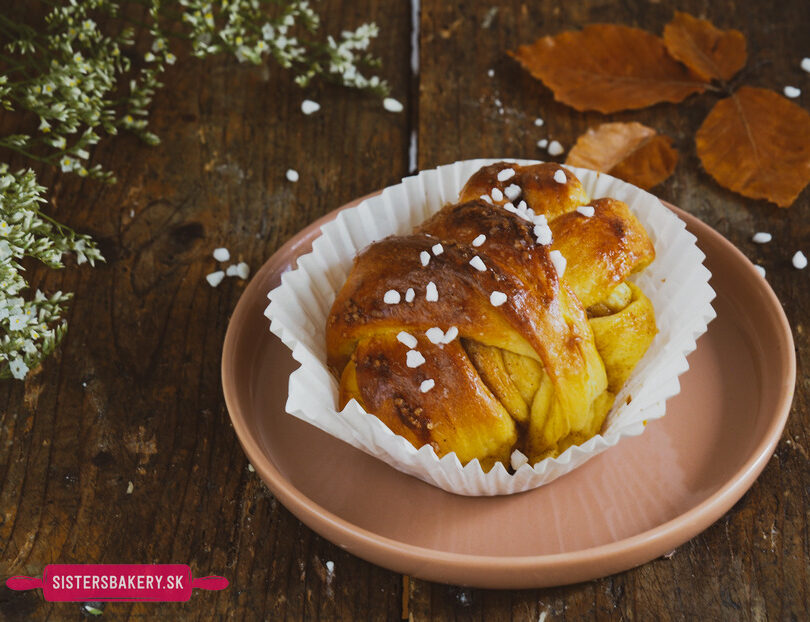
{"x":630,"y":151}
{"x":608,"y":67}
{"x":708,"y":51}
{"x":757,"y":143}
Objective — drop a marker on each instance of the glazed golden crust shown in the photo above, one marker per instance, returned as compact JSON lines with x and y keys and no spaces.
{"x":539,"y":188}
{"x":526,"y":373}
{"x":602,"y":250}
{"x":391,"y":391}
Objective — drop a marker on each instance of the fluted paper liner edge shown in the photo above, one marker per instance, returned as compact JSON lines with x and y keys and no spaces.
{"x":677,"y":283}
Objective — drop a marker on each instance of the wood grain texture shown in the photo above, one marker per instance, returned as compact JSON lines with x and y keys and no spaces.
{"x":753,"y":563}
{"x":134,"y":394}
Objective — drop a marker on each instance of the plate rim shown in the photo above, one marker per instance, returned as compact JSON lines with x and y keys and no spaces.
{"x":419,"y":560}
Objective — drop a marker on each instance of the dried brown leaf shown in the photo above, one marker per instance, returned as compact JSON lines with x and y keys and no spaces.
{"x":708,"y":51}
{"x":757,"y":143}
{"x":630,"y":151}
{"x":608,"y":67}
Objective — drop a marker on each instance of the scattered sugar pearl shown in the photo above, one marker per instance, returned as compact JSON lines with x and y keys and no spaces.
{"x":497,"y":298}
{"x":424,"y":257}
{"x":543,"y":234}
{"x":391,"y":297}
{"x":414,"y":359}
{"x":292,"y":175}
{"x":308,"y":106}
{"x":522,"y":205}
{"x":330,"y":567}
{"x":215,"y":278}
{"x":477,"y":263}
{"x":431,"y":293}
{"x":806,"y":64}
{"x":130,"y":488}
{"x":410,"y":295}
{"x":518,"y":459}
{"x":761,"y":237}
{"x":542,"y":143}
{"x":435,"y":335}
{"x":496,"y":194}
{"x":510,"y":207}
{"x":539,"y":122}
{"x":406,"y":339}
{"x":478,"y":241}
{"x":232,"y":270}
{"x":761,"y":271}
{"x":392,"y":105}
{"x":437,"y":249}
{"x":221,"y":254}
{"x":799,"y":261}
{"x":451,"y":334}
{"x":507,"y":173}
{"x":250,"y":468}
{"x":559,"y":262}
{"x":586,"y":210}
{"x":485,"y":197}
{"x":555,"y":148}
{"x":559,"y":176}
{"x":491,"y":73}
{"x":792,"y":92}
{"x":512,"y":191}
{"x":242,"y":270}
{"x":427,"y":385}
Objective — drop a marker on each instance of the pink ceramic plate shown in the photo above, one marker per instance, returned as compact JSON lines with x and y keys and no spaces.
{"x":626,"y":506}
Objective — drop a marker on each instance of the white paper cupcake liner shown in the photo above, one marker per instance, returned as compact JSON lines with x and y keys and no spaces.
{"x":676,"y":282}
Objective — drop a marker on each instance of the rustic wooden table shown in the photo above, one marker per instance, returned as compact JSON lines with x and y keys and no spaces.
{"x":134,"y":394}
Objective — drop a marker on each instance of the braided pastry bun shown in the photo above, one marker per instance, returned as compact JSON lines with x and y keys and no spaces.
{"x":503,"y":326}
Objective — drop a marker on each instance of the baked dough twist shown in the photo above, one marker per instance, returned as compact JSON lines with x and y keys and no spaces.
{"x":537,"y":357}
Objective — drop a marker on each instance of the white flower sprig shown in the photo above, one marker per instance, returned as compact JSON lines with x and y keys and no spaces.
{"x":81,"y":82}
{"x":31,"y":329}
{"x":243,"y":27}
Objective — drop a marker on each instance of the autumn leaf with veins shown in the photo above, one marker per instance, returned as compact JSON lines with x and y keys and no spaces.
{"x":755,"y":141}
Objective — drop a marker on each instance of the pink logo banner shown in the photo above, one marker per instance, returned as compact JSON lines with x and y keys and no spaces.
{"x":117,"y":582}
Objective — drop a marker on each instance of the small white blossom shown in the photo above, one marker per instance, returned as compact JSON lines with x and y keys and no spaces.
{"x":67,"y":163}
{"x":18,"y":368}
{"x":17,"y":322}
